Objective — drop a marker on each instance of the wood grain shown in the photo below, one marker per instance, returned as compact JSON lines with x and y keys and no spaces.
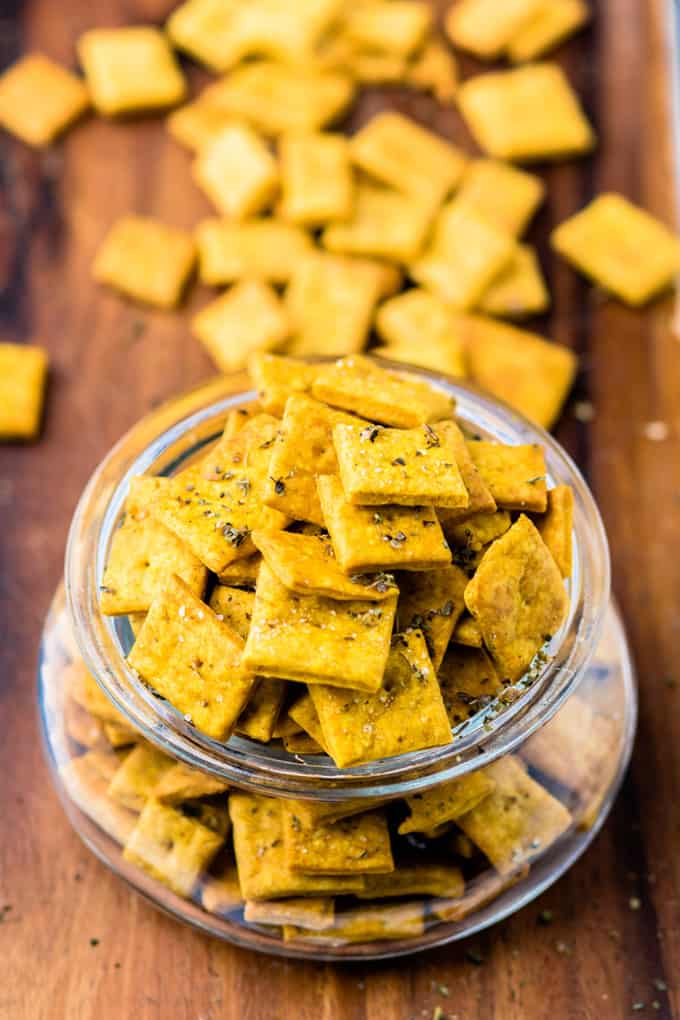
{"x":599,"y":957}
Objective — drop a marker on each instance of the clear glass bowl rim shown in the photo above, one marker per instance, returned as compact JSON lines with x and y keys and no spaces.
{"x":159,"y":440}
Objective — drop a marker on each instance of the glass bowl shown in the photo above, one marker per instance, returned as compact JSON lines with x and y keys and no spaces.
{"x":579,"y":707}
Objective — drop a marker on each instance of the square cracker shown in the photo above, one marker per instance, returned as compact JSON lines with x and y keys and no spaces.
{"x":422,"y":878}
{"x":365,"y":924}
{"x":549,"y":26}
{"x":515,"y":475}
{"x":530,"y":113}
{"x":316,"y":913}
{"x":383,"y":538}
{"x":261,"y":714}
{"x":261,"y":249}
{"x":465,"y":254}
{"x":406,"y":714}
{"x":330,"y":301}
{"x":303,"y":450}
{"x":302,"y":743}
{"x":173,"y":848}
{"x":318,"y":640}
{"x":261,"y":858}
{"x":317,"y":184}
{"x":517,"y":821}
{"x":620,"y":246}
{"x":23,"y":371}
{"x":356,"y":845}
{"x":485,"y":27}
{"x":196,"y":124}
{"x":130,"y":69}
{"x":519,"y":290}
{"x":502,"y":194}
{"x":480,"y":499}
{"x":138,"y":775}
{"x":397,"y":26}
{"x":468,"y":680}
{"x":241,"y":572}
{"x":144,"y":554}
{"x":234,"y":607}
{"x":432,"y":601}
{"x":39,"y":99}
{"x":87,"y":787}
{"x":533,"y":375}
{"x":434,"y":70}
{"x":410,"y":467}
{"x":276,"y":377}
{"x":399,"y":152}
{"x":517,"y":597}
{"x":306,"y":564}
{"x":360,"y":385}
{"x":446,"y":802}
{"x":466,"y":632}
{"x":248,"y":317}
{"x":145,"y":260}
{"x":205,"y":30}
{"x":220,"y":889}
{"x":253,"y":92}
{"x":303,"y":712}
{"x":419,"y":327}
{"x":180,"y":783}
{"x":249,"y":447}
{"x":237,"y":172}
{"x":477,"y":531}
{"x":384,"y":223}
{"x":216,"y":518}
{"x":193,"y":660}
{"x":555,"y":526}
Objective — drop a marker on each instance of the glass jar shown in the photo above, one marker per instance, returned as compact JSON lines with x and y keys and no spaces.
{"x":571,"y":726}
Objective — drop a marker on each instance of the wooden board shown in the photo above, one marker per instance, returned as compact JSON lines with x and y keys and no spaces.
{"x":111,"y":363}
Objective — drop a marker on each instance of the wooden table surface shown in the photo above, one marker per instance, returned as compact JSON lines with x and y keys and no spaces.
{"x":600,"y":957}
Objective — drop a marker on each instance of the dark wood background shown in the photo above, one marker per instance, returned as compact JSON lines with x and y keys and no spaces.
{"x":111,"y":362}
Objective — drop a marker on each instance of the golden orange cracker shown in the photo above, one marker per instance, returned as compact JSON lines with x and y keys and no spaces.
{"x":87,"y":787}
{"x":432,"y":601}
{"x":144,"y":554}
{"x":130,"y":69}
{"x":330,"y":301}
{"x":39,"y":99}
{"x":515,"y":475}
{"x":260,"y":716}
{"x":365,"y":924}
{"x":215,"y":518}
{"x":254,"y":92}
{"x":620,"y":246}
{"x":480,"y":497}
{"x":23,"y":372}
{"x":372,"y":67}
{"x":84,"y":689}
{"x":145,"y":260}
{"x":360,"y":385}
{"x":422,"y":328}
{"x":316,"y":178}
{"x":519,"y":290}
{"x":468,"y":681}
{"x":530,"y":113}
{"x":238,"y":417}
{"x":317,"y":640}
{"x":138,"y":775}
{"x":517,"y":598}
{"x":464,"y":256}
{"x":119,"y":735}
{"x":261,"y":858}
{"x":550,"y":25}
{"x":481,"y":891}
{"x":356,"y":845}
{"x":410,"y":467}
{"x":234,"y":607}
{"x":522,"y":368}
{"x":193,"y":660}
{"x":477,"y":531}
{"x":466,"y":632}
{"x":277,"y":377}
{"x":197,"y":123}
{"x":302,"y":711}
{"x":555,"y":526}
{"x":306,"y":564}
{"x":316,"y":913}
{"x":237,"y":172}
{"x":434,"y":69}
{"x":261,"y":249}
{"x":484,"y":27}
{"x":396,"y":26}
{"x":517,"y":821}
{"x":384,"y":223}
{"x":181,"y":782}
{"x":302,"y":743}
{"x":248,"y":317}
{"x":399,"y":152}
{"x":220,"y":890}
{"x":249,"y":447}
{"x":418,"y":879}
{"x":304,"y":449}
{"x":406,"y":714}
{"x":205,"y":30}
{"x":502,"y":194}
{"x":171,"y":847}
{"x":446,"y":802}
{"x":381,"y":538}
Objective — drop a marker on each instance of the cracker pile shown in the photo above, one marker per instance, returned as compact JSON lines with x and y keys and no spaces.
{"x":322,"y":243}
